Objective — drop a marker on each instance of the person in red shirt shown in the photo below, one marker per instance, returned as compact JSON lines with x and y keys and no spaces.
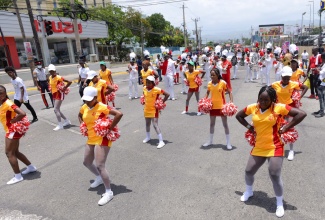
{"x":314,"y":62}
{"x":163,"y":65}
{"x":226,"y":67}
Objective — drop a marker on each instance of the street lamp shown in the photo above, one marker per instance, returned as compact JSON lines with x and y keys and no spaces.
{"x":313,"y":12}
{"x":302,"y":20}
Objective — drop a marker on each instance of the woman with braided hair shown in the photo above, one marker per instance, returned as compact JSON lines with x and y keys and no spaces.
{"x":266,"y":115}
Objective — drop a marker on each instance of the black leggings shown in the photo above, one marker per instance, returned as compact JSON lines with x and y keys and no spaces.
{"x":28,"y":106}
{"x":313,"y":83}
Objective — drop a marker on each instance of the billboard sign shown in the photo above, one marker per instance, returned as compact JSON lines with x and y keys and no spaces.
{"x":271,"y":29}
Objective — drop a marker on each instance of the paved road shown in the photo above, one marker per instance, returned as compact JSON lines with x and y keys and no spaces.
{"x":180,"y":181}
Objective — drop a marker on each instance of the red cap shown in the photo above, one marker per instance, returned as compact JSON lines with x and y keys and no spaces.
{"x":256,"y":44}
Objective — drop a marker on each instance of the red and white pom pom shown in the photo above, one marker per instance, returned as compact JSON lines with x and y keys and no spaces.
{"x":296,"y":98}
{"x":115,"y":87}
{"x":49,"y":87}
{"x":290,"y":136}
{"x":83,"y":129}
{"x":250,"y":137}
{"x":21,"y":126}
{"x":142,"y":100}
{"x":198,"y":81}
{"x":186,"y":82}
{"x":205,"y":105}
{"x":114,"y":134}
{"x":101,"y":126}
{"x":61,"y":87}
{"x":159,"y":104}
{"x":110,"y":97}
{"x":156,"y":81}
{"x":229,"y":109}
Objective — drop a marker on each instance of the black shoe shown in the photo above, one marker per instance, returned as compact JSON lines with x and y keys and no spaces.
{"x":321,"y":114}
{"x":47,"y":107}
{"x":34,"y":120}
{"x":316,"y":113}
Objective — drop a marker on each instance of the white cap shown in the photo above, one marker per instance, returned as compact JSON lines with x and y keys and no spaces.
{"x":51,"y":67}
{"x":151,"y":78}
{"x":89,"y":93}
{"x":91,"y":74}
{"x":286,"y":71}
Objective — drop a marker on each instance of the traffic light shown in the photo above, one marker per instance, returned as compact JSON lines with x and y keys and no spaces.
{"x":48,"y":27}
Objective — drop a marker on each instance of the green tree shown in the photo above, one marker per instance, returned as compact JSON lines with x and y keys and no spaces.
{"x":158,"y":25}
{"x":315,"y":30}
{"x":5,"y":4}
{"x":210,"y":43}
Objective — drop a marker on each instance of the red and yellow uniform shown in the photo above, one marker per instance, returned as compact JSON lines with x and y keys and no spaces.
{"x":89,"y":116}
{"x":144,"y":75}
{"x":217,"y":93}
{"x":101,"y":87}
{"x":296,"y":75}
{"x":105,"y":75}
{"x":284,"y":93}
{"x":193,"y":87}
{"x":7,"y":112}
{"x":57,"y":95}
{"x":150,"y":97}
{"x":268,"y":140}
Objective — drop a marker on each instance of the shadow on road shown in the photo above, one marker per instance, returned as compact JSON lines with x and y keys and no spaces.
{"x":32,"y":176}
{"x":216,"y":146}
{"x":117,"y":189}
{"x":261,"y":199}
{"x":286,"y":152}
{"x":155,"y":142}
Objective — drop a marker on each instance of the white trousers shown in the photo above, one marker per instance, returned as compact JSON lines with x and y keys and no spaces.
{"x":248,"y":74}
{"x":235,"y":71}
{"x":278,"y":77}
{"x":263,"y":74}
{"x":267,"y":75}
{"x":184,"y":87}
{"x":169,"y":85}
{"x":133,"y":88}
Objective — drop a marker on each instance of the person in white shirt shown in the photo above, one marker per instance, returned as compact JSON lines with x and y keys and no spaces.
{"x":268,"y":64}
{"x":194,"y":59}
{"x":321,"y":89}
{"x":21,"y":96}
{"x":83,"y":73}
{"x":304,"y":58}
{"x":248,"y":64}
{"x":157,"y":62}
{"x":278,"y":65}
{"x":207,"y":65}
{"x":169,"y":79}
{"x":133,"y":79}
{"x":41,"y":79}
{"x":182,"y":70}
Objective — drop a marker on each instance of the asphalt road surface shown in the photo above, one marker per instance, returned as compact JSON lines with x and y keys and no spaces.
{"x":183,"y":180}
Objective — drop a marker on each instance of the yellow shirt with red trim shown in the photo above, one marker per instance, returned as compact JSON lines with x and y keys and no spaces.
{"x":54,"y":82}
{"x":191,"y":78}
{"x":7,"y":112}
{"x":105,"y":75}
{"x":150,"y":97}
{"x":89,"y":116}
{"x":296,"y":75}
{"x":268,"y":141}
{"x":284,"y":93}
{"x":144,"y":75}
{"x":217,"y":93}
{"x":101,"y":87}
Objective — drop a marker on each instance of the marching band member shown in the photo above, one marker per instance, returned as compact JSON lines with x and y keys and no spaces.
{"x":268,"y":63}
{"x":183,"y":69}
{"x":234,"y":63}
{"x":226,"y":67}
{"x":262,"y":65}
{"x":177,"y":67}
{"x":133,"y":77}
{"x":170,"y":74}
{"x":277,"y":64}
{"x":248,"y":64}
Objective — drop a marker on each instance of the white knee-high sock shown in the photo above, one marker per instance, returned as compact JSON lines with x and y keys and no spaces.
{"x":249,"y":189}
{"x":148,"y":134}
{"x":279,"y":200}
{"x":160,"y":137}
{"x":211,"y":138}
{"x":228,"y":138}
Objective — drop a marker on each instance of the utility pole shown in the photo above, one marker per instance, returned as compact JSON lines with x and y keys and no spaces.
{"x":200,"y":38}
{"x":184,"y":25}
{"x":75,"y":28}
{"x":35,"y":35}
{"x":196,"y":33}
{"x":30,"y":59}
{"x":142,"y":39}
{"x":46,"y":52}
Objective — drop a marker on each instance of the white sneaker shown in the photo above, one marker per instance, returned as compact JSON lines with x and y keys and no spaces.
{"x":161,"y":144}
{"x":184,"y":112}
{"x":246,"y":196}
{"x":279,"y":211}
{"x":229,"y":147}
{"x":130,"y":98}
{"x":173,"y":99}
{"x":291,"y":155}
{"x":15,"y":180}
{"x":66,"y":122}
{"x":29,"y":170}
{"x":106,"y":197}
{"x":135,"y":97}
{"x":98,"y":181}
{"x":58,"y":127}
{"x":146,"y":140}
{"x":207,"y":144}
{"x":199,"y":113}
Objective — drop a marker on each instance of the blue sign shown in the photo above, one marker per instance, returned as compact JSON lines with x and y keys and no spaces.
{"x":322,"y":4}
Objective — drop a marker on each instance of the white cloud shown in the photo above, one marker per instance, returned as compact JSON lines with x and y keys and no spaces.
{"x":222,"y":19}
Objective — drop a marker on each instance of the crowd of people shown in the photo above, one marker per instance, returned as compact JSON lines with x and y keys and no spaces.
{"x":275,"y":102}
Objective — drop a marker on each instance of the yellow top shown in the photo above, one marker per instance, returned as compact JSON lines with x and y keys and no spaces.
{"x":217,"y":93}
{"x":105,"y":75}
{"x":144,"y":75}
{"x":191,"y":78}
{"x":54,"y":82}
{"x":101,"y":87}
{"x":284,"y":93}
{"x":7,"y":112}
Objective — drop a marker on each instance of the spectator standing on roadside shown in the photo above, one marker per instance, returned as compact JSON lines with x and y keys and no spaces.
{"x":314,"y":61}
{"x":83,"y":71}
{"x":304,"y":58}
{"x":157,"y":62}
{"x":139,"y":64}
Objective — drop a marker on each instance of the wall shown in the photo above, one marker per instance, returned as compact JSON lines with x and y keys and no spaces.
{"x":13,"y":51}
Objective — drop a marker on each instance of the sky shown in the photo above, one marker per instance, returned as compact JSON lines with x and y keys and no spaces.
{"x":232,"y":19}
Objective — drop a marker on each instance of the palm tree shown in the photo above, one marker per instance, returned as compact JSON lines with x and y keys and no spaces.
{"x":320,"y":39}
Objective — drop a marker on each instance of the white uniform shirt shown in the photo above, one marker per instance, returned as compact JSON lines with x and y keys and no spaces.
{"x":83,"y":72}
{"x":133,"y":73}
{"x":18,"y":83}
{"x":278,"y":67}
{"x":304,"y":56}
{"x":171,"y":71}
{"x":40,"y":74}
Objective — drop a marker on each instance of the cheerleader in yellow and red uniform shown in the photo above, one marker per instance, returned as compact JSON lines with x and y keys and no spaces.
{"x":217,"y":88}
{"x":58,"y":96}
{"x":151,"y":114}
{"x":101,"y":85}
{"x":9,"y":114}
{"x":284,"y":90}
{"x":297,"y":73}
{"x":97,"y":147}
{"x":190,"y":76}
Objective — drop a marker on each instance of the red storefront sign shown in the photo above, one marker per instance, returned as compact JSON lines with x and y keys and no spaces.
{"x":60,"y":27}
